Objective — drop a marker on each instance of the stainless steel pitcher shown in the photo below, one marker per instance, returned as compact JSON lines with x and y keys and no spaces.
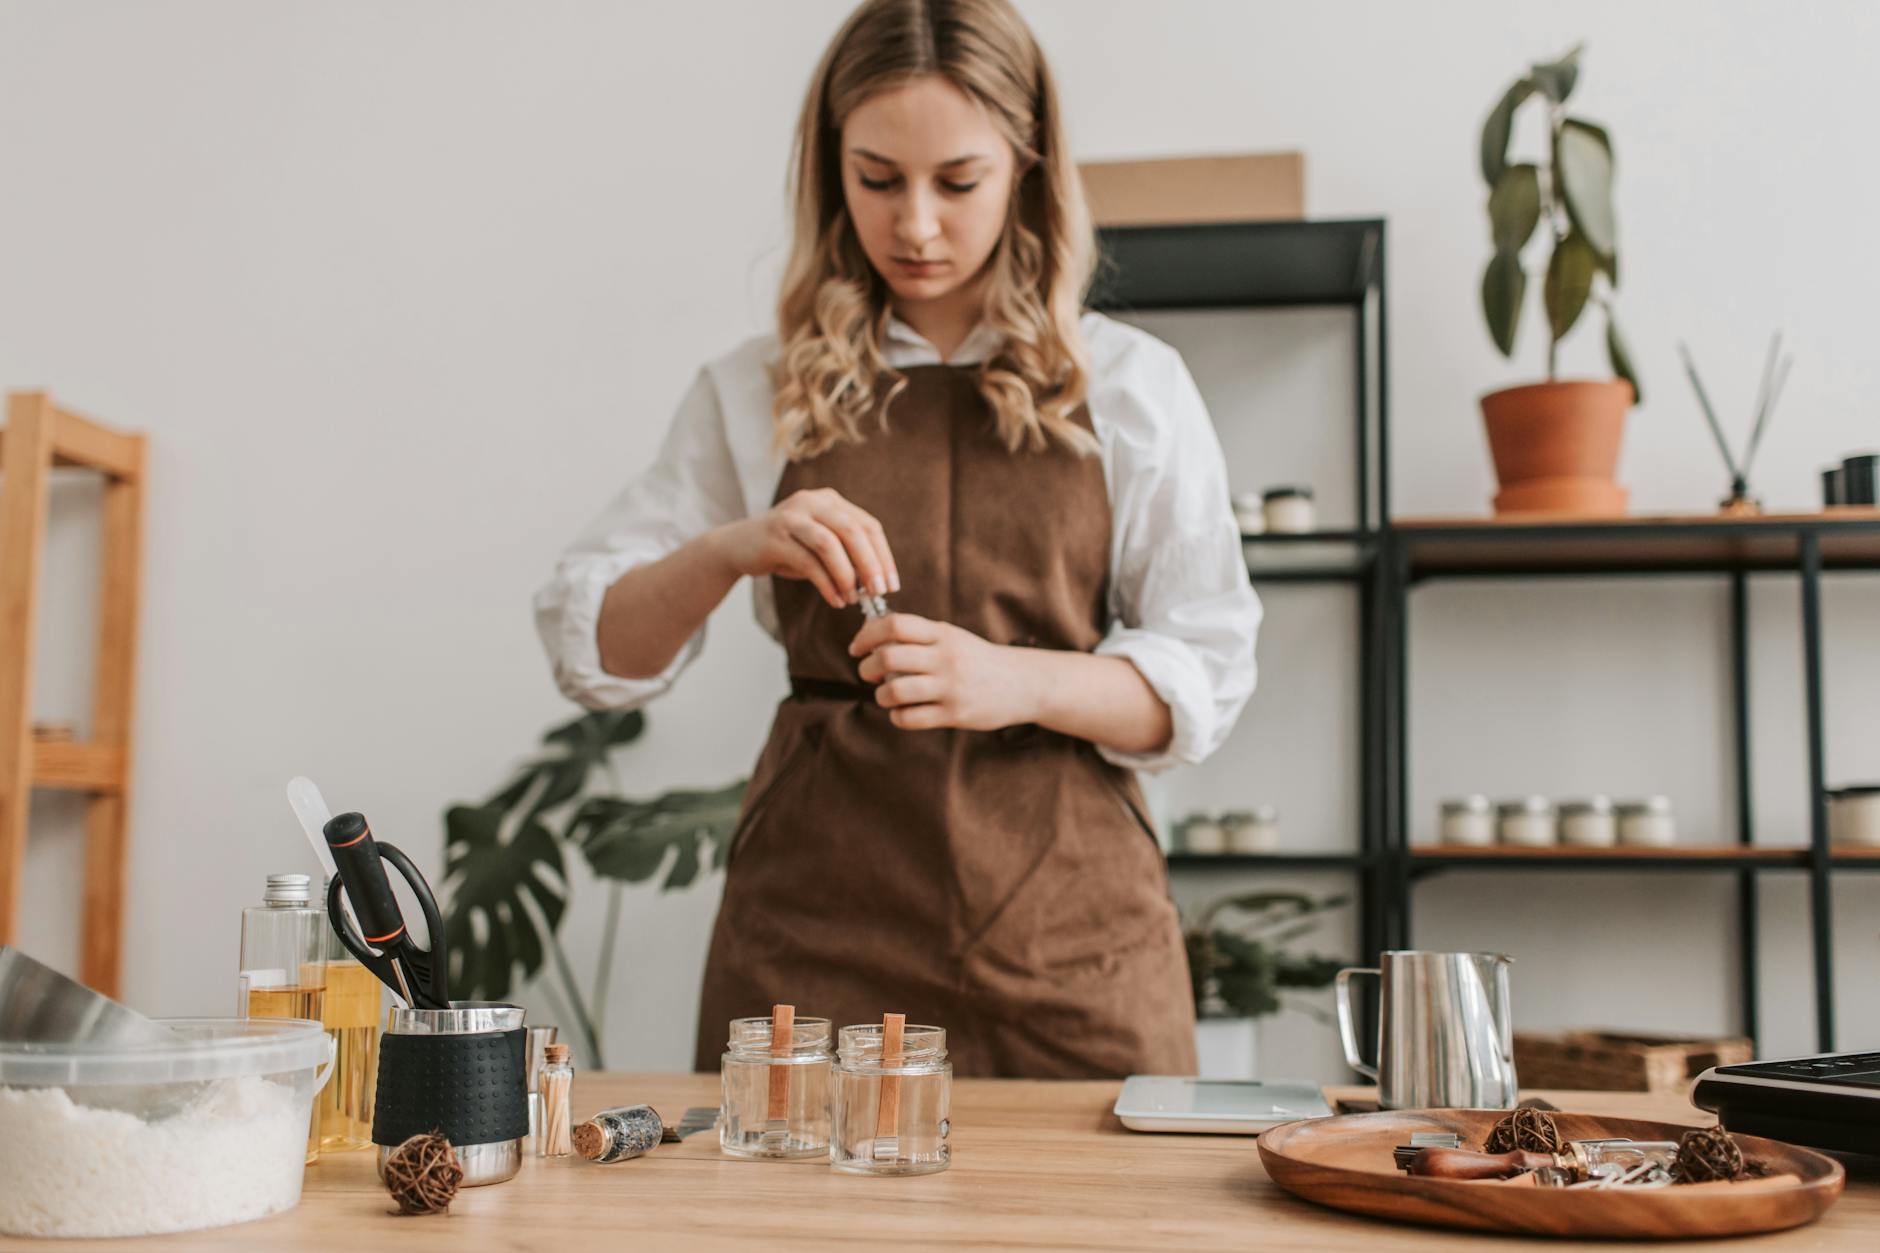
{"x":1445,"y":1031}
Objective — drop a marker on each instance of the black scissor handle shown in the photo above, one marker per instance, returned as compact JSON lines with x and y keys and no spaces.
{"x":386,"y":948}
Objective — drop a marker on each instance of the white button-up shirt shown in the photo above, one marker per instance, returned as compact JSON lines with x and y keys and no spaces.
{"x":1181,"y":607}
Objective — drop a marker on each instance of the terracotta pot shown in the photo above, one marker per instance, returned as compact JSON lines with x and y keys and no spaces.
{"x":1556,"y":446}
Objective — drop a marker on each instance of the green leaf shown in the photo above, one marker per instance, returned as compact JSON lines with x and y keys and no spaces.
{"x":1569,"y":282}
{"x":1583,"y":164}
{"x":585,"y":743}
{"x":1556,"y":78}
{"x":630,"y":840}
{"x":1504,"y":284}
{"x":1514,"y":207}
{"x":1497,"y":129}
{"x":1621,"y":357}
{"x":486,"y":881}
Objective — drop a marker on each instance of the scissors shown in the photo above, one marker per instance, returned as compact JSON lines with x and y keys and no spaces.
{"x":419,"y":975}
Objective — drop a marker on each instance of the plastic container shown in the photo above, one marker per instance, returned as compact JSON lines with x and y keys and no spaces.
{"x":913,"y":1098}
{"x":1289,"y":510}
{"x":107,"y":1140}
{"x":1253,"y":830}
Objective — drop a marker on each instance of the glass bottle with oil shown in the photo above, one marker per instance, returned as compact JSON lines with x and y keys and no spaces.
{"x":283,"y":965}
{"x":354,"y":1014}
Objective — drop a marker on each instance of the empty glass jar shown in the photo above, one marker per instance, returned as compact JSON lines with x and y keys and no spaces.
{"x":892,"y":1119}
{"x":776,"y":1104}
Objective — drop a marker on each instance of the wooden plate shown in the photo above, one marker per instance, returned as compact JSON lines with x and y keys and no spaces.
{"x":1345,"y":1163}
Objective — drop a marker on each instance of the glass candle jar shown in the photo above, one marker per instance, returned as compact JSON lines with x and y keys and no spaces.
{"x":1528,"y":823}
{"x":1202,"y":834}
{"x":891,"y":1118}
{"x":1253,"y":830}
{"x":1250,"y":512}
{"x":1588,"y":823}
{"x":776,"y":1104}
{"x":1647,"y":823}
{"x":1289,"y":510}
{"x":1854,"y":816}
{"x":1467,"y":820}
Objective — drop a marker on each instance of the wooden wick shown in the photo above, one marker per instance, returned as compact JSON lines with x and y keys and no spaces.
{"x":888,"y":1111}
{"x":782,"y":1043}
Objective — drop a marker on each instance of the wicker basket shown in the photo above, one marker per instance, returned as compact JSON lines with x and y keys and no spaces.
{"x":1614,"y":1061}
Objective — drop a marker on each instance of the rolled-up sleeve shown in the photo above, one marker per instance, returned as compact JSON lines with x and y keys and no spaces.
{"x":1185,"y":613}
{"x":691,"y":487}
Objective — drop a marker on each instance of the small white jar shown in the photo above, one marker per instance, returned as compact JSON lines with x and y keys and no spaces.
{"x":1528,"y":823}
{"x":1252,"y":831}
{"x":1854,"y":816}
{"x":1468,"y":821}
{"x":1647,"y":823}
{"x":1589,"y":823}
{"x":1202,"y":834}
{"x":1250,"y":512}
{"x":1289,"y":510}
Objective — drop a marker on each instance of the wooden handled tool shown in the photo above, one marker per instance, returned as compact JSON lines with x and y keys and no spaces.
{"x":888,"y":1108}
{"x":1464,"y":1164}
{"x":782,"y":1043}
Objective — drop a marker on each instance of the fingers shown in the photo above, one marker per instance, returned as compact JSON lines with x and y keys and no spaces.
{"x":828,"y":558}
{"x":921,"y":717}
{"x":899,"y":659}
{"x":896,"y":628}
{"x":829,"y":525}
{"x":808,"y":564}
{"x":910,"y":689}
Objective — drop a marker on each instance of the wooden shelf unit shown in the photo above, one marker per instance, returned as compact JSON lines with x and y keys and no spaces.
{"x":40,"y":435}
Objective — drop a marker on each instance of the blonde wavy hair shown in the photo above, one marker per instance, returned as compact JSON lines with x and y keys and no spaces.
{"x":833,"y":310}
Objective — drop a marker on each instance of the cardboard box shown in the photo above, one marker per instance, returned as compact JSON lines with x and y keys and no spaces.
{"x":1253,"y":187}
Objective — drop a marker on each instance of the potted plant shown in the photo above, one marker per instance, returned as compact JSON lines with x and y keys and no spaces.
{"x":506,"y":881}
{"x":1555,"y":444}
{"x":1241,"y":972}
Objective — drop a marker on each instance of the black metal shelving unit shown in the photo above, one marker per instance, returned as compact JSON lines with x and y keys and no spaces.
{"x":1341,"y":264}
{"x":1804,"y":547}
{"x":1279,"y":265}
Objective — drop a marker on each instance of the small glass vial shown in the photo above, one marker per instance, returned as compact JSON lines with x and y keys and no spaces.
{"x":892,"y":1116}
{"x":556,"y":1135}
{"x":614,"y":1135}
{"x":1468,"y":821}
{"x":1528,"y":823}
{"x":1254,"y":830}
{"x":1647,"y":823}
{"x":1289,"y":510}
{"x":283,"y":961}
{"x":776,"y":1103}
{"x":1588,"y":823}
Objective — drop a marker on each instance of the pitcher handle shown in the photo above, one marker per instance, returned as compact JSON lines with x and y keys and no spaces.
{"x":1347,"y":1031}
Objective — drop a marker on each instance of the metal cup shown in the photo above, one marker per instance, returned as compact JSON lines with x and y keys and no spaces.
{"x":1445,"y":1031}
{"x":482,"y":1163}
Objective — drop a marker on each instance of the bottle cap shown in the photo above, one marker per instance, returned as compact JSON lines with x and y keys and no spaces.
{"x":288,"y":889}
{"x":591,"y":1139}
{"x":556,"y":1054}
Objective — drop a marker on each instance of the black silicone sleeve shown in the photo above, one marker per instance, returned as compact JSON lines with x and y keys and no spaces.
{"x":471,"y":1089}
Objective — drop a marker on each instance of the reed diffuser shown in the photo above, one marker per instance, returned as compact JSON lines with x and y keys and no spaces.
{"x":1740,"y":503}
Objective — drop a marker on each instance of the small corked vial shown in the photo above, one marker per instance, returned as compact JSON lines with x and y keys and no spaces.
{"x":614,"y":1135}
{"x":557,"y":1080}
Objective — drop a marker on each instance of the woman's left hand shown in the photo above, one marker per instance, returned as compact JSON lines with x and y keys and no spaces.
{"x":933,"y":674}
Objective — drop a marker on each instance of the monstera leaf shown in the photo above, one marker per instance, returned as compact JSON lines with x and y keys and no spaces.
{"x":490,"y":932}
{"x":580,"y":748}
{"x":630,"y":840}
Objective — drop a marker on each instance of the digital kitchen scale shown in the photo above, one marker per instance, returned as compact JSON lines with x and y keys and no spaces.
{"x":1830,"y":1101}
{"x":1243,"y":1107}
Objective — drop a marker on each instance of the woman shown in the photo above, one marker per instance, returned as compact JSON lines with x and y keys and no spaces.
{"x":944,"y":821}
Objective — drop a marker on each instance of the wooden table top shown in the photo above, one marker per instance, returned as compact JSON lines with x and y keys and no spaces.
{"x":1035,"y":1166}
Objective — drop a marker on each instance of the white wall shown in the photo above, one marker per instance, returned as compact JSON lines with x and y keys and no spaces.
{"x":403,"y":292}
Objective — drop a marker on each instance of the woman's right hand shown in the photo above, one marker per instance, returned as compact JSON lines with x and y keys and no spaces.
{"x":814,"y":535}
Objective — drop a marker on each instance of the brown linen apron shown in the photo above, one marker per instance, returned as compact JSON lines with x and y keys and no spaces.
{"x":1004,"y":885}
